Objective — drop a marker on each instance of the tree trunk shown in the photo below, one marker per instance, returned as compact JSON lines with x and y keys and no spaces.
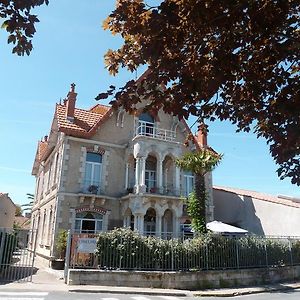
{"x":201,"y":199}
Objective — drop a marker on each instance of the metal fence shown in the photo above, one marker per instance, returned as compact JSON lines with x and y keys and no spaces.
{"x":209,"y":252}
{"x":16,"y":260}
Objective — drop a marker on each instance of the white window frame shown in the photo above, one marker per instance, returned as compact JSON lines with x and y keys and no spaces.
{"x":92,"y":181}
{"x":187,"y":188}
{"x":80,"y":220}
{"x":151,"y":182}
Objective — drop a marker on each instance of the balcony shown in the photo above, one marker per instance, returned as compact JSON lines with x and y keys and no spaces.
{"x":164,"y":191}
{"x":148,"y":130}
{"x":91,"y":188}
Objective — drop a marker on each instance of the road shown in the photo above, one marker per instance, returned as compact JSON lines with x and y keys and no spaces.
{"x":11,"y":295}
{"x":283,"y":295}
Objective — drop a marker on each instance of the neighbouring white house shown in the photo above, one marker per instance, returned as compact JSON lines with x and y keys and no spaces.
{"x":101,"y":168}
{"x":7,"y":211}
{"x":256,"y":212}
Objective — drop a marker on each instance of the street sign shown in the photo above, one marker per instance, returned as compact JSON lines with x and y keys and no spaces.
{"x":87,"y":245}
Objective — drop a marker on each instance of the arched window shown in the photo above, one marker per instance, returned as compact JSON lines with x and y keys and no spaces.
{"x":88,"y":222}
{"x":93,"y":168}
{"x":150,"y":222}
{"x":146,"y":124}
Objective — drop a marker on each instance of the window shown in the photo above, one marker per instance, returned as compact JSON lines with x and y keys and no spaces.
{"x":150,"y":174}
{"x":88,"y":222}
{"x":49,"y":182}
{"x":150,"y":180}
{"x":146,"y":124}
{"x":93,"y":166}
{"x":188,"y":184}
{"x":55,"y":173}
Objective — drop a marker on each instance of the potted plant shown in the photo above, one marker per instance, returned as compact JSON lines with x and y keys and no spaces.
{"x":61,"y":246}
{"x":93,"y":189}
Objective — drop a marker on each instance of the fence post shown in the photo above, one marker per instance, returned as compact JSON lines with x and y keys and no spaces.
{"x":206,"y":254}
{"x":266,"y":252}
{"x":291,"y":252}
{"x":237,"y":253}
{"x":34,"y":234}
{"x":3,"y":234}
{"x":67,"y":258}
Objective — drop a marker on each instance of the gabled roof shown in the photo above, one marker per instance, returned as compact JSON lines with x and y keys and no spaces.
{"x":22,"y":222}
{"x":259,"y":196}
{"x":85,"y":122}
{"x":5,"y":196}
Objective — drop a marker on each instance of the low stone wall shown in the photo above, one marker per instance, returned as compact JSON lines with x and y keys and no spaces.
{"x":184,"y":280}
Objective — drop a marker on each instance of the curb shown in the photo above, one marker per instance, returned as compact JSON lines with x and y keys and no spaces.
{"x":231,"y":293}
{"x":147,"y":293}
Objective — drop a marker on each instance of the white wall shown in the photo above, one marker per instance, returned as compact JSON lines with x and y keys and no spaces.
{"x":256,"y":215}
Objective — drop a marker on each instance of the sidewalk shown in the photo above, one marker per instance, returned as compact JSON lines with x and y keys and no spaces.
{"x":47,"y":279}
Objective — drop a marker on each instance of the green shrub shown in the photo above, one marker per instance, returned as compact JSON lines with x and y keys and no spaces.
{"x":125,"y":249}
{"x":61,"y":243}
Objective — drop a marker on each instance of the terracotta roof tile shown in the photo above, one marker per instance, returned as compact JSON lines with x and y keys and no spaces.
{"x":85,"y":121}
{"x":100,"y":109}
{"x":259,"y":196}
{"x":23,"y":222}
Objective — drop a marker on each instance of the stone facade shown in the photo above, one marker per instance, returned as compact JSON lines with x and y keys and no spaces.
{"x":7,"y":211}
{"x":103,"y":168}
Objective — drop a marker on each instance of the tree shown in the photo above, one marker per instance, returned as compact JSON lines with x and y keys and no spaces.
{"x":19,"y":211}
{"x":236,"y":60}
{"x":200,"y":163}
{"x":20,"y":23}
{"x":28,"y":206}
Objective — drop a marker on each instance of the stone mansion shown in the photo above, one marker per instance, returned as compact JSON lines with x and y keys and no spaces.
{"x":102,"y":168}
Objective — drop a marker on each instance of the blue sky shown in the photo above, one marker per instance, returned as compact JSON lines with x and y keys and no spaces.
{"x":68,"y":47}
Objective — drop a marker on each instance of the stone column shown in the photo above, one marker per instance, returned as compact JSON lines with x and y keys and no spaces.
{"x":176,"y":225}
{"x":142,"y":175}
{"x":126,"y":175}
{"x":137,"y":181}
{"x":135,"y":222}
{"x":139,"y":223}
{"x":159,"y":172}
{"x":177,"y":180}
{"x":158,"y":223}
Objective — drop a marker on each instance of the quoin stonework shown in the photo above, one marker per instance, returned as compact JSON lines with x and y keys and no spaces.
{"x":102,"y":168}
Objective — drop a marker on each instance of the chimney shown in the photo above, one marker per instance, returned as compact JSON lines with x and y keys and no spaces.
{"x":201,"y":135}
{"x":70,"y":103}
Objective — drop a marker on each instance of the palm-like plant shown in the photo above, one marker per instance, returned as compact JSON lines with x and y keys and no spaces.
{"x":201,"y":162}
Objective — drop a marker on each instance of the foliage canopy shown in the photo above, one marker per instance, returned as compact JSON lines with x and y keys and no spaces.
{"x":233,"y":60}
{"x":199,"y":162}
{"x":20,"y":23}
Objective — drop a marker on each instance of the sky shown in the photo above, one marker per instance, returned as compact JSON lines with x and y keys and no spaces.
{"x":69,"y":47}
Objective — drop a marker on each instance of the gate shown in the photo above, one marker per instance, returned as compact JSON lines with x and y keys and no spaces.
{"x":17,"y":255}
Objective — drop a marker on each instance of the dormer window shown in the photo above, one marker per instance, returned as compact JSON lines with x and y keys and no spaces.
{"x":146,"y":124}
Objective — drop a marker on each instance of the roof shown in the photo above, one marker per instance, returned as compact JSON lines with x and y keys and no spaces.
{"x":259,"y":196}
{"x":220,"y":227}
{"x":85,"y":121}
{"x":22,"y":222}
{"x":84,"y":124}
{"x":7,"y":197}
